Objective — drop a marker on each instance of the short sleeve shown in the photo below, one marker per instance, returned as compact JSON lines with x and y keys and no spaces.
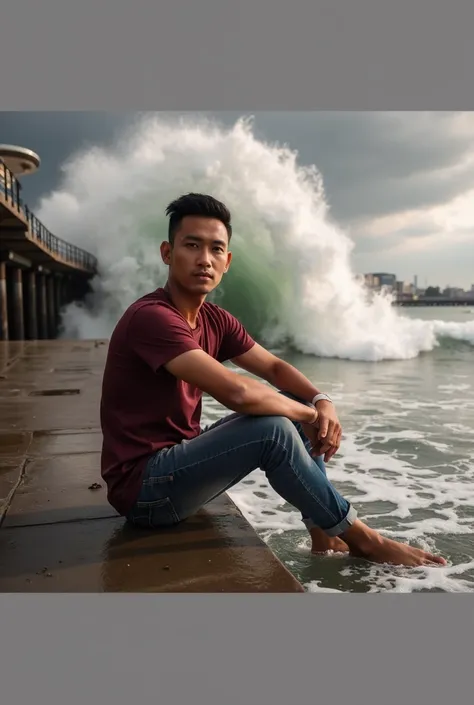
{"x":235,"y":341}
{"x":158,"y":334}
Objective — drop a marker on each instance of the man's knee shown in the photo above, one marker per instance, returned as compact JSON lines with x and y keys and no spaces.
{"x":277,"y":427}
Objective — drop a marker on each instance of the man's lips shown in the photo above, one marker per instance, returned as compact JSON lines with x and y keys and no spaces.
{"x":203,"y":275}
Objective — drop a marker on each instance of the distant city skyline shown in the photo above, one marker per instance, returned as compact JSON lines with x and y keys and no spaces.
{"x":401,"y":185}
{"x":406,"y":291}
{"x":420,"y":284}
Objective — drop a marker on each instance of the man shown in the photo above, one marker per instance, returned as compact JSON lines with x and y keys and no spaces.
{"x":168,"y":348}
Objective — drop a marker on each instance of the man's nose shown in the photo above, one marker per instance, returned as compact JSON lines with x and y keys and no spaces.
{"x":204,"y":258}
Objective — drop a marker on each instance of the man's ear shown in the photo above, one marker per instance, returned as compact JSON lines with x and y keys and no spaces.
{"x":165,"y":249}
{"x":229,"y":260}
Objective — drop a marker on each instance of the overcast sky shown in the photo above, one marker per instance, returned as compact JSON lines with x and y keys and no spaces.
{"x":401,"y":184}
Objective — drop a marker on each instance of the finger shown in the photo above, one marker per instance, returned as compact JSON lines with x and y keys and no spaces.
{"x":325,"y":449}
{"x":323,"y":428}
{"x":335,"y":447}
{"x":318,"y":448}
{"x":337,"y":438}
{"x":335,"y":433}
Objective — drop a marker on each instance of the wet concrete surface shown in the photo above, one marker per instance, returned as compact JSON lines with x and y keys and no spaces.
{"x":56,"y":489}
{"x":59,"y":534}
{"x":10,"y":474}
{"x":65,"y":443}
{"x":14,"y":445}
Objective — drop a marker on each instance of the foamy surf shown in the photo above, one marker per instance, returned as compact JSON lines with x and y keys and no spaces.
{"x":410,"y":476}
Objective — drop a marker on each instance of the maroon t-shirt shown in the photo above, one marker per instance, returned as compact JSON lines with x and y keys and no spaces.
{"x":144,"y":408}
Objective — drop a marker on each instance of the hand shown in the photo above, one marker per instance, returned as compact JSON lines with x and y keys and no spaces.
{"x":326,"y":432}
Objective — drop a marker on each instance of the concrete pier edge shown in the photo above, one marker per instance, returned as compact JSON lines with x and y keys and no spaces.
{"x":57,"y":531}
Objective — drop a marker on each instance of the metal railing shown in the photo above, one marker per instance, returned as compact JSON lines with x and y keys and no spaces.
{"x":10,"y":186}
{"x":73,"y":255}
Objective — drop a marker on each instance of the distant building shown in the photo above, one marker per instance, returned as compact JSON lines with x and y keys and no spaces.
{"x":377,"y":281}
{"x":369,"y":281}
{"x":386,"y":280}
{"x":454,"y":292}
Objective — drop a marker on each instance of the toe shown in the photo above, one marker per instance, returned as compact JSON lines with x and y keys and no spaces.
{"x":437,"y":560}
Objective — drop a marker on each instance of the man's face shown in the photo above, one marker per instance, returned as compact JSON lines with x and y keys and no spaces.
{"x":199,"y":255}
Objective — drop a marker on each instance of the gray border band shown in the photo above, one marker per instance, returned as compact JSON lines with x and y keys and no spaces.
{"x":333,"y":54}
{"x":236,"y":650}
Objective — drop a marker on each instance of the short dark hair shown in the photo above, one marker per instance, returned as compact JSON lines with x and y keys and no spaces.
{"x":196,"y":204}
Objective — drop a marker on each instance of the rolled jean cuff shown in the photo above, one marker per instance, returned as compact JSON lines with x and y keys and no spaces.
{"x":340,"y":528}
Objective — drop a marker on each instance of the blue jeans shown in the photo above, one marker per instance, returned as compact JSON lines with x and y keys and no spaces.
{"x":180,"y":480}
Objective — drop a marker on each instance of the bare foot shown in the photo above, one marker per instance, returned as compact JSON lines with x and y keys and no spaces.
{"x":369,"y":544}
{"x":321,"y":543}
{"x":401,"y":554}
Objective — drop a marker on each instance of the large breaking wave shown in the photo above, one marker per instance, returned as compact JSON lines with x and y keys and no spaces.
{"x":291,"y":277}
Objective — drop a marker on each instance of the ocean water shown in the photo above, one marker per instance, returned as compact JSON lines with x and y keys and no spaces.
{"x":406,"y":462}
{"x":402,"y":379}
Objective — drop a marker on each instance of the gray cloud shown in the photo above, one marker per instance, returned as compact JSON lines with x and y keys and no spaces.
{"x":377,"y":163}
{"x":369,"y":244}
{"x":54,"y":136}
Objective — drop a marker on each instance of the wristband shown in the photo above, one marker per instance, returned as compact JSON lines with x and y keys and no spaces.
{"x":319,"y":397}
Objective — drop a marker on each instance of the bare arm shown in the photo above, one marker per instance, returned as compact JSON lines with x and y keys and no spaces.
{"x":277,"y":372}
{"x":327,"y":438}
{"x":239,"y":393}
